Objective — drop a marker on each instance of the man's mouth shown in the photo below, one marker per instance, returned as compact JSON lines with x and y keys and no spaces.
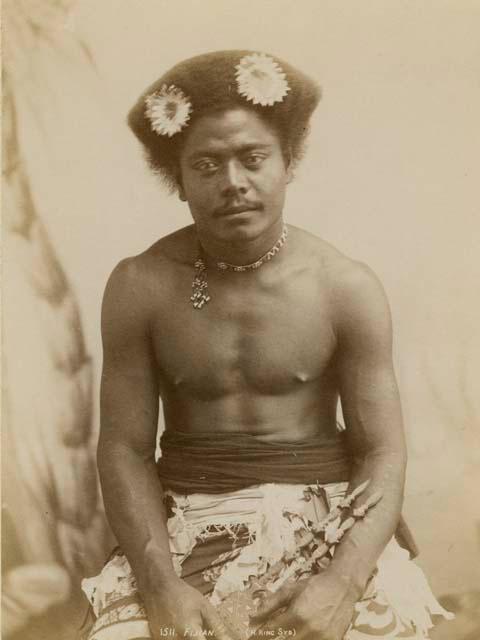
{"x":238,"y":208}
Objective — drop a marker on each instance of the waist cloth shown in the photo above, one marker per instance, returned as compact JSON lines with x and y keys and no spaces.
{"x":209,"y":462}
{"x":233,"y":512}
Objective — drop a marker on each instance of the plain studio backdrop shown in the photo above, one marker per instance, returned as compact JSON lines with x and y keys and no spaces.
{"x":390,"y":178}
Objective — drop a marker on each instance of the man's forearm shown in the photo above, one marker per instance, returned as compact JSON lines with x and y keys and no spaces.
{"x":357,"y":554}
{"x":133,"y":498}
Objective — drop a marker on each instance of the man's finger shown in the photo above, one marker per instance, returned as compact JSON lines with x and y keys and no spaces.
{"x":214,"y":623}
{"x":272,"y":602}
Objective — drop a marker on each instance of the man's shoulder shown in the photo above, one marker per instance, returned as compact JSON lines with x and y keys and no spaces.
{"x":159,"y":259}
{"x":350,"y":281}
{"x":341,"y":269}
{"x":138,"y":280}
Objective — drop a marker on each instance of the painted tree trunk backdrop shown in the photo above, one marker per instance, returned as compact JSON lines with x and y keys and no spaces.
{"x":54,"y":528}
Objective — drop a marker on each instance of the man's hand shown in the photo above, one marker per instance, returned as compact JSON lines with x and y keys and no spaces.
{"x":182,"y":608}
{"x":318,"y":608}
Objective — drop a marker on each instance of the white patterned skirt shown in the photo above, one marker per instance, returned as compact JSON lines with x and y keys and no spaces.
{"x":220,"y":542}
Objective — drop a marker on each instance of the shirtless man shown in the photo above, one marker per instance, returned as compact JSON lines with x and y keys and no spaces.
{"x":268,"y":353}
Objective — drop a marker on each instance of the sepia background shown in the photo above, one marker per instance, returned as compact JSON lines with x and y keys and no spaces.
{"x":391,"y":178}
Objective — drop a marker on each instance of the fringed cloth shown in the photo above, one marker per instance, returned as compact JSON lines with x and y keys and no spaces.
{"x":218,"y":541}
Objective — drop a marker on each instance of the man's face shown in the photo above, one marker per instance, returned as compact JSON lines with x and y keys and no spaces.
{"x":233,"y":175}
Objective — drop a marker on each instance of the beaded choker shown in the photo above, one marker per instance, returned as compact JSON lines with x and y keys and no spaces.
{"x":200,"y":295}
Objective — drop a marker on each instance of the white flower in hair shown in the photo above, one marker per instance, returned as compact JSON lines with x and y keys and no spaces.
{"x":168,"y":110}
{"x":261,"y":80}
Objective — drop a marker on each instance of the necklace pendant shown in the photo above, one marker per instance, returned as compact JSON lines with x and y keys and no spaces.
{"x":200,"y":297}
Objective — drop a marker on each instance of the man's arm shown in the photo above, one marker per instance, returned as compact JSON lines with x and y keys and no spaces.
{"x":323,"y":606}
{"x":128,"y":414}
{"x":373,"y":418}
{"x":132,"y":491}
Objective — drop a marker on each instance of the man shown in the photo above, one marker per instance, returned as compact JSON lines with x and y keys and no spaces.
{"x":249,"y":330}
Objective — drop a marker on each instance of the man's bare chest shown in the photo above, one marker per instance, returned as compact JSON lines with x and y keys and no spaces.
{"x":268,"y":341}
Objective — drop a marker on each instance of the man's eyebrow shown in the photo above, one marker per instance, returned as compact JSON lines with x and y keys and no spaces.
{"x":216,"y":152}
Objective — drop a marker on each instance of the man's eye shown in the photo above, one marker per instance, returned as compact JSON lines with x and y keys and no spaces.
{"x":206,"y":165}
{"x":254,"y":159}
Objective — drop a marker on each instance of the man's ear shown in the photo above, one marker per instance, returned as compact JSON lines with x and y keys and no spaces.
{"x":288,"y":157}
{"x":181,"y":193}
{"x":289,"y":172}
{"x":180,"y":189}
{"x":289,"y":167}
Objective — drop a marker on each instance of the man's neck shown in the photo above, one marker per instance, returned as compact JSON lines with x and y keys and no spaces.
{"x":245,"y":251}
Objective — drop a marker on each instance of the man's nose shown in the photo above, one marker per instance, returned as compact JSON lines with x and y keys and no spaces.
{"x":235,"y":179}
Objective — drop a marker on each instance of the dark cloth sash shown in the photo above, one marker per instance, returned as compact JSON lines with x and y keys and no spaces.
{"x":209,"y":462}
